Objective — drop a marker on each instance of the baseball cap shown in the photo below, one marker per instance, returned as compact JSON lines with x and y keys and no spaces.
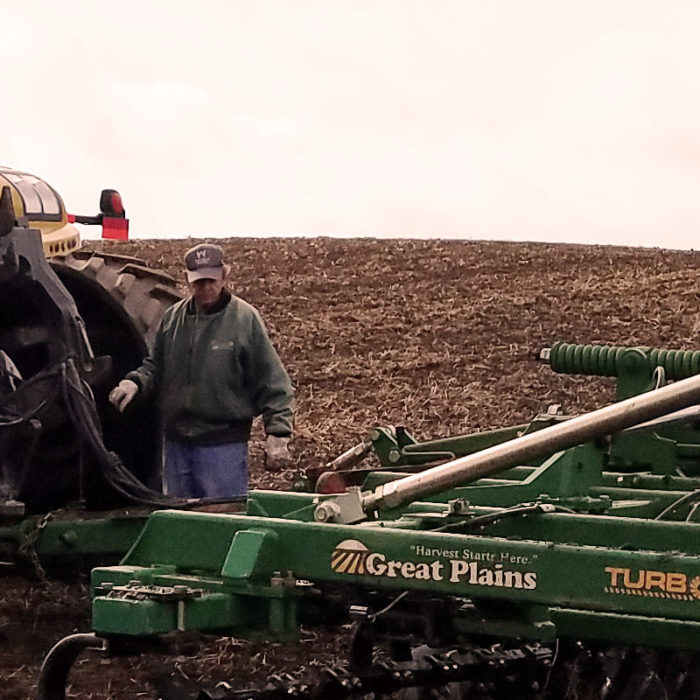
{"x":205,"y":261}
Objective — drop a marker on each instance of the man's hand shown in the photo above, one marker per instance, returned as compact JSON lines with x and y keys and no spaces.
{"x":276,"y":453}
{"x":123,"y":393}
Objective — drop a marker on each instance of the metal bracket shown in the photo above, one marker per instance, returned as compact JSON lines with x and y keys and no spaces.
{"x":343,"y":508}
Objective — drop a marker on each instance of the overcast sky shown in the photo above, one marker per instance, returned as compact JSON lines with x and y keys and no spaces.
{"x":552,"y":120}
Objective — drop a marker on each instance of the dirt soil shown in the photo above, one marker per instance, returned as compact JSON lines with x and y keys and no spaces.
{"x":434,"y":335}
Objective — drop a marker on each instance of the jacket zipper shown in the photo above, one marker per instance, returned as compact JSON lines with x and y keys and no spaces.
{"x":190,"y":363}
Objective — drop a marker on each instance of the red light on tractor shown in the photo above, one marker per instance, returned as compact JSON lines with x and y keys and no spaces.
{"x":111,"y":204}
{"x":115,"y":228}
{"x":115,"y":225}
{"x":112,"y":217}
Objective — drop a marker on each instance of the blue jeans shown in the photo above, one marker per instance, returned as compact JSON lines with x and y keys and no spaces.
{"x":205,"y":471}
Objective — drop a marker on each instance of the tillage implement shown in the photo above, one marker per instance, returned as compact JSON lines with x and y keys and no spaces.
{"x":557,"y":558}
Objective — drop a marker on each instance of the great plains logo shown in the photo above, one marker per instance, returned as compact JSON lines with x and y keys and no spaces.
{"x":652,"y":584}
{"x":349,"y":558}
{"x":354,"y":558}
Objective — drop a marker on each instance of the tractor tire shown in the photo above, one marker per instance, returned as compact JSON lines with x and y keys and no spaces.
{"x":117,"y":294}
{"x":121,"y":302}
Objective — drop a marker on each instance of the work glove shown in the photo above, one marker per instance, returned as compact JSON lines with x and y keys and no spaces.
{"x":123,"y":393}
{"x":276,"y":453}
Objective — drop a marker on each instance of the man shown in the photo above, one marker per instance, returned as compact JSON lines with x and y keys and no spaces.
{"x":213,"y":369}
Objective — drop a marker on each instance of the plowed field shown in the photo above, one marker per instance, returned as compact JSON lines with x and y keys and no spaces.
{"x":437,"y":336}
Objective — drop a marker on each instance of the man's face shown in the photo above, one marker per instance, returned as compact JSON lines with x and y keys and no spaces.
{"x":206,"y":292}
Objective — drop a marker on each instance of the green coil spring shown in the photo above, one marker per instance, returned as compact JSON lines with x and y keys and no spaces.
{"x":610,"y":360}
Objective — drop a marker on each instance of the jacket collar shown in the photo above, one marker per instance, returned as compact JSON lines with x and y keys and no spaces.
{"x":223,"y":300}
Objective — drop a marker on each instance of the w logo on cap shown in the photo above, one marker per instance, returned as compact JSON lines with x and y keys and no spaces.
{"x":205,"y":261}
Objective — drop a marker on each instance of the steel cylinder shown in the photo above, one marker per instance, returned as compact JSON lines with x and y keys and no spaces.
{"x":542,"y":443}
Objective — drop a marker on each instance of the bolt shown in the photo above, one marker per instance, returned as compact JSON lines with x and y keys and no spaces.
{"x":457,"y":506}
{"x":327,"y":512}
{"x":68,"y":538}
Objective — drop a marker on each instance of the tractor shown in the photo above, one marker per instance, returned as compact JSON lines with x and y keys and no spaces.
{"x":73,"y":321}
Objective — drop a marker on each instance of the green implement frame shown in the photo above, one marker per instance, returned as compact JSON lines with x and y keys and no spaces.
{"x":579,"y":528}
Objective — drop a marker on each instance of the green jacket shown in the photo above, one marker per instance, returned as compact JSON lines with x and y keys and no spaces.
{"x":214,"y":372}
